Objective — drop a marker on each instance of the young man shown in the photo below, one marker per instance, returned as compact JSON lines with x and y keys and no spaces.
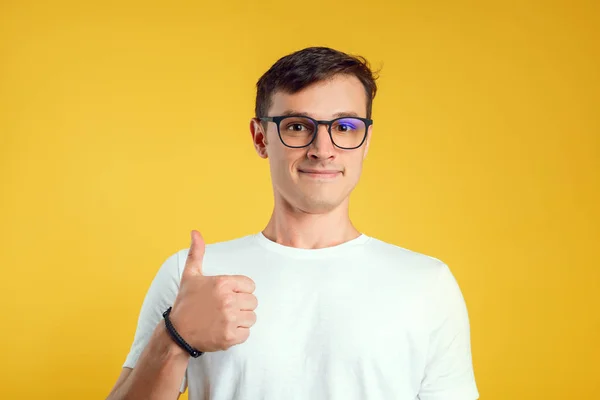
{"x":342,"y":315}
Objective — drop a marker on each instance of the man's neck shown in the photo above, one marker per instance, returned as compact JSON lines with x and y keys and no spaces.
{"x":289,"y":226}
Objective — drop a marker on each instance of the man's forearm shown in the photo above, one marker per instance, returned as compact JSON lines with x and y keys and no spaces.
{"x":158,"y":373}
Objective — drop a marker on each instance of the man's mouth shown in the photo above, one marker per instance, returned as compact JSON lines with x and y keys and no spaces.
{"x":320,"y":173}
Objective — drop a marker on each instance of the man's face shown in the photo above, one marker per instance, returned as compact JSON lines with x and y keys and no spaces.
{"x":295,"y":171}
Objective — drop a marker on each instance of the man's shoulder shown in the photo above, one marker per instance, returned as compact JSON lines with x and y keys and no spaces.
{"x":226,"y":247}
{"x":232,"y":243}
{"x":405,"y":257}
{"x":422,"y":273}
{"x":176,"y":260}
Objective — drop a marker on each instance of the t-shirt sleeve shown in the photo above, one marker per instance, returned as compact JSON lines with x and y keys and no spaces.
{"x":160,"y":295}
{"x":449,"y":371}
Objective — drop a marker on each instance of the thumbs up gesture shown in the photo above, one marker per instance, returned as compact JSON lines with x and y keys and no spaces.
{"x":212,"y":312}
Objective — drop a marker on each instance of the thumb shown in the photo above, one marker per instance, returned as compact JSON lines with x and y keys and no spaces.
{"x":196,"y":254}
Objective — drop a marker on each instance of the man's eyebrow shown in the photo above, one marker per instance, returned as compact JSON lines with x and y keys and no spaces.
{"x":292,"y":112}
{"x":336,"y":115}
{"x":345,"y":114}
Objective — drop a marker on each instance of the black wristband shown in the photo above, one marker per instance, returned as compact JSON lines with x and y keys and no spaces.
{"x":177,"y":338}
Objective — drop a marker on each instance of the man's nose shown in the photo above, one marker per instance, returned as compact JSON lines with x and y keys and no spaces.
{"x":321,"y":147}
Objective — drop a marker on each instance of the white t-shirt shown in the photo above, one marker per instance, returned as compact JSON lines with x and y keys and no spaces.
{"x":363,"y":320}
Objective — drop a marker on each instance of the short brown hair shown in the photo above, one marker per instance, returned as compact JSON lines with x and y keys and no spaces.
{"x":302,"y":68}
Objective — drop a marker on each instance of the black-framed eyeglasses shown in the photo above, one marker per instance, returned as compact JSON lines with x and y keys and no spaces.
{"x":297,"y":131}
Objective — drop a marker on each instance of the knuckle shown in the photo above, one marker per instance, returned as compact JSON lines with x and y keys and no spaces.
{"x":229,"y":337}
{"x":230,"y":318}
{"x":227,"y":301}
{"x":223,"y":345}
{"x":186,"y":274}
{"x":221,"y":282}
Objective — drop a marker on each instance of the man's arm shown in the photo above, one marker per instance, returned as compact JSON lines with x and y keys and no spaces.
{"x":211,"y":312}
{"x":158,"y":373}
{"x":155,"y":363}
{"x":449,"y":372}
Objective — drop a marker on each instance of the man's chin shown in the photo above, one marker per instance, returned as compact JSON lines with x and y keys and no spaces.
{"x":319,"y":205}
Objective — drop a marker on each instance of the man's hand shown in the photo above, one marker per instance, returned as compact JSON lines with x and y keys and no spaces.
{"x":212,"y":312}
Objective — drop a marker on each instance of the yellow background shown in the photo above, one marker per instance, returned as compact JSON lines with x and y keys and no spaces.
{"x":125,"y":125}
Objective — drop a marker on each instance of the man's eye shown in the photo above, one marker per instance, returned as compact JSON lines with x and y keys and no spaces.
{"x":345,"y":127}
{"x":296,"y":127}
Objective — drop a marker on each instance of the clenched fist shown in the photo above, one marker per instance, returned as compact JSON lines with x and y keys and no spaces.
{"x":212,"y":312}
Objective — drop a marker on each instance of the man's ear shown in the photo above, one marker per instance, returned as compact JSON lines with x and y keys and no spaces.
{"x":259,"y":137}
